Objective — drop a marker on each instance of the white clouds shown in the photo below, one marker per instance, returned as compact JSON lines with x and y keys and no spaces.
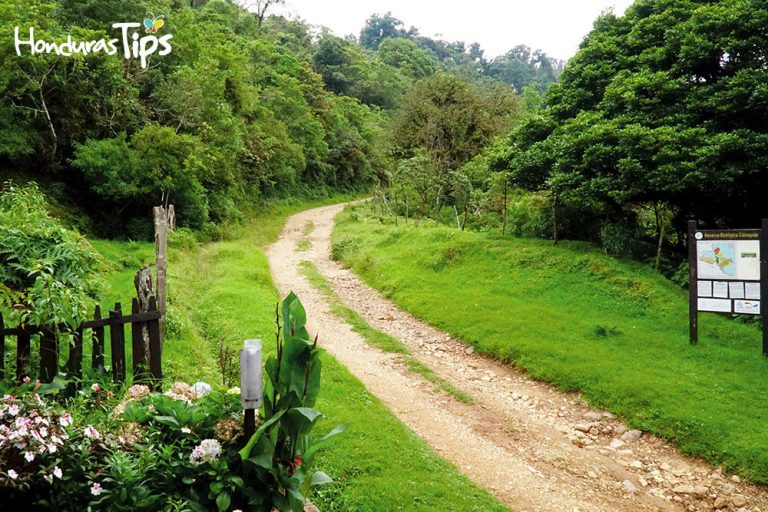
{"x":555,"y":26}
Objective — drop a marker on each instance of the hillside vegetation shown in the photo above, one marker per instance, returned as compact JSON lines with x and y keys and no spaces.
{"x":612,"y":329}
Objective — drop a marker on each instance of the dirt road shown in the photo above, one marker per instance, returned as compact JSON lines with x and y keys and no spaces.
{"x":534,"y":447}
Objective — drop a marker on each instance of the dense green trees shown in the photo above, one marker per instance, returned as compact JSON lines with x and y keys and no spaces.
{"x":663,"y":113}
{"x":444,"y":122}
{"x":244,"y":107}
{"x":234,"y":113}
{"x":419,"y":56}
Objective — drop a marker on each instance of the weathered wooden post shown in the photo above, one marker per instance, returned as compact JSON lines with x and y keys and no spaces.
{"x":693,"y":314}
{"x":165,"y":220}
{"x":250,"y":383}
{"x":143,"y":284}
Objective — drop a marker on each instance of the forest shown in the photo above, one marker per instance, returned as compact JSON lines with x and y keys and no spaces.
{"x":245,"y":108}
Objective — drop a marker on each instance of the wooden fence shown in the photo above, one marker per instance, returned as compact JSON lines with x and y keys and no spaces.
{"x":115,"y":324}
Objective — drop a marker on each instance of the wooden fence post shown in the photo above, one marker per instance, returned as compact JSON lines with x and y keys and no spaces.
{"x":164,"y":222}
{"x":2,"y":348}
{"x":97,"y":339}
{"x":23,"y":351}
{"x":155,"y":349}
{"x":75,"y":361}
{"x":117,"y":342}
{"x":137,"y":341}
{"x":49,"y":355}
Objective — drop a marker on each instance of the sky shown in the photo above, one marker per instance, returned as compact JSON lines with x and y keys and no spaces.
{"x":555,"y":26}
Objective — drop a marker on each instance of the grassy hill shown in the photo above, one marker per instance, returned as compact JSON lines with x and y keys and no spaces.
{"x":613,"y":329}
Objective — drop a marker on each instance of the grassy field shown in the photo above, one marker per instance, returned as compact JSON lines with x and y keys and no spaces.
{"x":222,"y":293}
{"x":613,"y":329}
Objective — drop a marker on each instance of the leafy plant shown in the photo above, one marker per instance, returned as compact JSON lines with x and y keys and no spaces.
{"x":280,"y":453}
{"x":48,"y":274}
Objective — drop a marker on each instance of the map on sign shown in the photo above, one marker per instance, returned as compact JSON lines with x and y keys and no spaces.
{"x":717,"y":260}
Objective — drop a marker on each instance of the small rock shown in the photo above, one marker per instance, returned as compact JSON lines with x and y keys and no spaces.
{"x":616,"y":444}
{"x":636,"y":464}
{"x":485,"y":378}
{"x":629,"y":486}
{"x":683,"y":489}
{"x":736,"y":479}
{"x":619,"y":429}
{"x":721,"y":502}
{"x":624,"y":453}
{"x":631,"y":436}
{"x":591,"y":474}
{"x":700,"y":490}
{"x":583,"y":427}
{"x":593,"y":416}
{"x":643,"y":482}
{"x":608,"y":416}
{"x":739,"y":501}
{"x":469,"y":351}
{"x":729,"y":489}
{"x":664,"y":466}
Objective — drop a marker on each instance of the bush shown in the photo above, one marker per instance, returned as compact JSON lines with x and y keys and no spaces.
{"x":48,"y":274}
{"x":185,"y":449}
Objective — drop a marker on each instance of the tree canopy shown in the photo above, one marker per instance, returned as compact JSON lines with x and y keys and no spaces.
{"x":664,"y":107}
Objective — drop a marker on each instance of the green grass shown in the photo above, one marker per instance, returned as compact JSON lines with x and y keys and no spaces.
{"x":376,"y":338}
{"x":223,"y":292}
{"x":303,"y":245}
{"x":541,"y":307}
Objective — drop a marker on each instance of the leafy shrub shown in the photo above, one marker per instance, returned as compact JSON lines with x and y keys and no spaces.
{"x":133,"y":449}
{"x":48,"y":274}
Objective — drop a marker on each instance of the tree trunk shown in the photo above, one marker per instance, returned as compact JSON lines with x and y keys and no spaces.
{"x":660,"y":229}
{"x":504,"y":212}
{"x":554,"y":218}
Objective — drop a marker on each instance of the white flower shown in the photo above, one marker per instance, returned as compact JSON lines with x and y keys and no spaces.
{"x":13,"y":474}
{"x":96,"y":489}
{"x":95,"y":387}
{"x":29,"y":456}
{"x":52,"y":448}
{"x":13,"y":410}
{"x":201,"y":388}
{"x":185,"y":430}
{"x":138,"y":391}
{"x":57,"y":472}
{"x":207,"y":451}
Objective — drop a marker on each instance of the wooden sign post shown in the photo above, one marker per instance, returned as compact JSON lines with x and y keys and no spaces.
{"x":728,"y":273}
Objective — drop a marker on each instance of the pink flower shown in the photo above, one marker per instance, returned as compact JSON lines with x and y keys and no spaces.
{"x":91,"y":432}
{"x":29,"y":456}
{"x":65,"y":420}
{"x":52,"y":448}
{"x":27,"y":379}
{"x":13,"y":474}
{"x":96,"y":489}
{"x":57,"y":472}
{"x":13,"y":410}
